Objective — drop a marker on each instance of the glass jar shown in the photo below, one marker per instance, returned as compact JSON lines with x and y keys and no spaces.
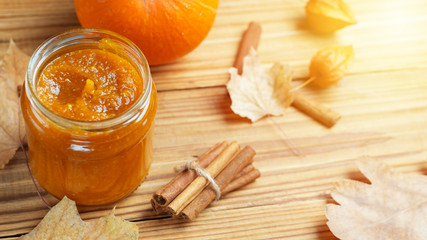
{"x":89,"y":162}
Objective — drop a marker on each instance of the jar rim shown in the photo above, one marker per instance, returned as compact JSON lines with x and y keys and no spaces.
{"x":71,"y":38}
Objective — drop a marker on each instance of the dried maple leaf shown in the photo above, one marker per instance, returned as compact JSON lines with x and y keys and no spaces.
{"x":63,"y":222}
{"x":257,"y":92}
{"x":327,"y":16}
{"x":394,"y":206}
{"x":12,"y":74}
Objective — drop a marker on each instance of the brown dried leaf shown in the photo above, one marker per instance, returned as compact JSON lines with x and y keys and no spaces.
{"x":17,"y":63}
{"x":394,"y":206}
{"x":13,"y":68}
{"x":112,"y":227}
{"x":63,"y":222}
{"x":258,"y":92}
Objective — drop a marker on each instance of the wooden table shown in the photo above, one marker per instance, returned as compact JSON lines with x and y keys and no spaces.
{"x":383,"y":102}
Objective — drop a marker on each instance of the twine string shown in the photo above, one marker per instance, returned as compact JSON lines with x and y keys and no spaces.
{"x":32,"y":178}
{"x":191,"y":164}
{"x":21,"y":145}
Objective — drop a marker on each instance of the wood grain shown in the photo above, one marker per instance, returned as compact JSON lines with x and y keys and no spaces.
{"x":383,"y":103}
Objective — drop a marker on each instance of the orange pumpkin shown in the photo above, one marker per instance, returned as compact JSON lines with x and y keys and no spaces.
{"x":164,"y":30}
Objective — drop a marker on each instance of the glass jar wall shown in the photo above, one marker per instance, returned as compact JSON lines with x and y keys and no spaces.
{"x":90,"y":161}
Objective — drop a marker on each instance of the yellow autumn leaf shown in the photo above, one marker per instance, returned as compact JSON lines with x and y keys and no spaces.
{"x":327,"y":16}
{"x":63,"y":222}
{"x":258,"y":92}
{"x":13,"y":68}
{"x":393,"y":206}
{"x":330,"y":64}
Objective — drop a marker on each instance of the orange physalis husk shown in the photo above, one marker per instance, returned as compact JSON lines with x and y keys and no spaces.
{"x":329,"y":65}
{"x":327,"y":16}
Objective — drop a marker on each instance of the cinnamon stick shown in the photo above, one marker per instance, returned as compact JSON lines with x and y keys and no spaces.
{"x":250,"y":39}
{"x":197,"y":185}
{"x":244,"y":171}
{"x":241,"y":181}
{"x":168,"y":192}
{"x":317,"y":111}
{"x":240,"y":161}
{"x":157,"y":208}
{"x":242,"y":178}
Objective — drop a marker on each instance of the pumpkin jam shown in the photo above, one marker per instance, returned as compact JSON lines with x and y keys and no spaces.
{"x":89,"y":85}
{"x":99,"y":165}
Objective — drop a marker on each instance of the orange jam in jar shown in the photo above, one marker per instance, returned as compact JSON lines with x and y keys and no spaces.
{"x":89,"y":105}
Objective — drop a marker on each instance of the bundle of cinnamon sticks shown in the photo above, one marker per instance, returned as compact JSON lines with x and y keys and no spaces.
{"x":188,"y":194}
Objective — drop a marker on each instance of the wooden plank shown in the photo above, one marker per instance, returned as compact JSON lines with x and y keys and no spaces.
{"x":384,"y":122}
{"x":383,"y":39}
{"x":396,"y":26}
{"x":383,"y":102}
